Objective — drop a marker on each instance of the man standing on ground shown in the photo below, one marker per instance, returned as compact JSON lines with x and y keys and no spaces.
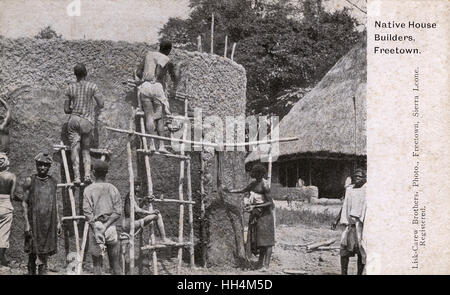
{"x":102,"y":206}
{"x":82,"y":98}
{"x":352,"y":216}
{"x":153,"y":71}
{"x":42,"y":225}
{"x":7,"y":189}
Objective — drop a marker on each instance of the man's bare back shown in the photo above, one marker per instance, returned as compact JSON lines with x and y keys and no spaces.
{"x":155,"y":67}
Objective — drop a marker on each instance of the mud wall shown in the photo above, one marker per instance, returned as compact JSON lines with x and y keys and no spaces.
{"x":33,"y":76}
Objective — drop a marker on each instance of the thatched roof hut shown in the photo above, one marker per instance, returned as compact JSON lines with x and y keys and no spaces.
{"x":330,"y":121}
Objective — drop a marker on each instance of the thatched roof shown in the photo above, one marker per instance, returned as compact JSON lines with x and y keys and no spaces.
{"x":324,"y":120}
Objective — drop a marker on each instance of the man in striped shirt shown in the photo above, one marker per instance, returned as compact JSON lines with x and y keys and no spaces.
{"x":82,"y":98}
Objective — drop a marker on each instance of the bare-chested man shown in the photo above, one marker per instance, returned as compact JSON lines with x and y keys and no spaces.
{"x":4,"y":128}
{"x":7,"y":189}
{"x":153,"y":71}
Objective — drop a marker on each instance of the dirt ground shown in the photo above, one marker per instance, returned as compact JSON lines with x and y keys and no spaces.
{"x":286,"y":256}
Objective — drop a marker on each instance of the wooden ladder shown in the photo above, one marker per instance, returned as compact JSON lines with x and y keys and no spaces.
{"x":80,"y":249}
{"x":185,"y":164}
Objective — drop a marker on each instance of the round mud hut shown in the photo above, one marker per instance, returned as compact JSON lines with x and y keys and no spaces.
{"x":35,"y":74}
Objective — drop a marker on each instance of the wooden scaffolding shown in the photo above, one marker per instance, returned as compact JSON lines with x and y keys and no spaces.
{"x":184,"y":180}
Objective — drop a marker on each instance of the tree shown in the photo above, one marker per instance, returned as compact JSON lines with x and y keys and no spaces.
{"x":283,"y":45}
{"x":47,"y":33}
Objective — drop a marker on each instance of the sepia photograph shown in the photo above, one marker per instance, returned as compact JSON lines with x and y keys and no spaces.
{"x":183,"y":137}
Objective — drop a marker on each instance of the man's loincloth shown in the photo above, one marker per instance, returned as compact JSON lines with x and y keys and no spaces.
{"x":153,"y":99}
{"x":6,"y":216}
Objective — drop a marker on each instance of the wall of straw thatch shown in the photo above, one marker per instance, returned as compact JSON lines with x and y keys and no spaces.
{"x":35,"y":73}
{"x":324,"y":119}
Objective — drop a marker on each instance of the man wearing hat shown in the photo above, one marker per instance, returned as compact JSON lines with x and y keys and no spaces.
{"x":102,"y":206}
{"x":352,"y":216}
{"x":7,"y":189}
{"x":42,"y":225}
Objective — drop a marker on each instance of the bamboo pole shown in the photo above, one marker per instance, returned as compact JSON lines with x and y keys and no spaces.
{"x":191,"y":214}
{"x":180,"y":191}
{"x":80,"y":217}
{"x":212,"y":33}
{"x":83,"y":246}
{"x":354,"y":133}
{"x":199,"y":43}
{"x":269,"y":170}
{"x":269,"y":173}
{"x":226,"y":47}
{"x":202,"y":143}
{"x":131,"y":196}
{"x":202,"y":210}
{"x":232,"y":51}
{"x":168,"y":155}
{"x":162,"y":246}
{"x":70,"y":184}
{"x":149,"y":186}
{"x":72,"y":203}
{"x":174,"y":201}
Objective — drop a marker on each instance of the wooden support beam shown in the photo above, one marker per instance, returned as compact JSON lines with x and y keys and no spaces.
{"x":212,"y":33}
{"x":131,"y":196}
{"x":199,"y":43}
{"x":232,"y":51}
{"x":320,"y":244}
{"x":75,"y":217}
{"x":101,"y":151}
{"x":83,"y":246}
{"x":70,"y":184}
{"x":203,"y":234}
{"x":226,"y":47}
{"x":181,"y":192}
{"x":210,"y":144}
{"x":162,"y":246}
{"x":149,"y":185}
{"x":92,"y":151}
{"x":191,"y":213}
{"x":169,"y":155}
{"x":72,"y":202}
{"x":180,"y":118}
{"x":174,"y":201}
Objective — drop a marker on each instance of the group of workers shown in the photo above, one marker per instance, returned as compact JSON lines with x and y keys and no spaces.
{"x":102,"y":203}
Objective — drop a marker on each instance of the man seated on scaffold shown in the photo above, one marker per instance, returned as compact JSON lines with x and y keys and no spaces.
{"x":151,"y":89}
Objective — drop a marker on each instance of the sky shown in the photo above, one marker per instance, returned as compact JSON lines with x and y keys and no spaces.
{"x":127,"y":20}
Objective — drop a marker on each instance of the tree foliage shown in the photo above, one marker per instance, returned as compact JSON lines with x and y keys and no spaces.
{"x":47,"y":33}
{"x":283,"y":44}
